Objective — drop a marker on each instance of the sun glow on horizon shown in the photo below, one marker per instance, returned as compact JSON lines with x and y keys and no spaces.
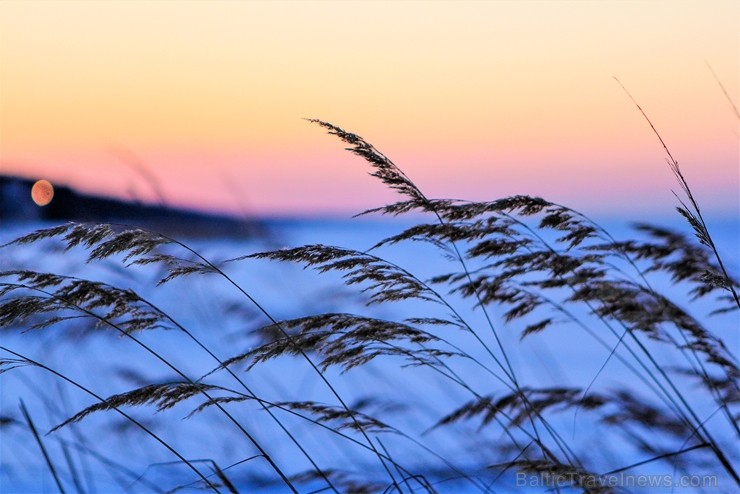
{"x":42,"y":192}
{"x":471,"y":99}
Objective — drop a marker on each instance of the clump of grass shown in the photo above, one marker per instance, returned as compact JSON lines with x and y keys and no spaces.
{"x":518,"y":264}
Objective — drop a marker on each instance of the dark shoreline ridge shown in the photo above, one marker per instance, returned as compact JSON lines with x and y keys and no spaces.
{"x":70,"y":205}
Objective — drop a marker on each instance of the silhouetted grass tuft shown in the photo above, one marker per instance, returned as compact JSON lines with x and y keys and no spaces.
{"x":519,"y":265}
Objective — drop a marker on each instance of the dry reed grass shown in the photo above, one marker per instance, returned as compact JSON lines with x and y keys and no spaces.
{"x":537,"y":264}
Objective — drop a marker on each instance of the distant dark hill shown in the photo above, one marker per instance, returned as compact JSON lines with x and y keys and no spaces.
{"x":69,"y":205}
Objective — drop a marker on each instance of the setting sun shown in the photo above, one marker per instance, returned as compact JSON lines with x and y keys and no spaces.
{"x":42,"y":192}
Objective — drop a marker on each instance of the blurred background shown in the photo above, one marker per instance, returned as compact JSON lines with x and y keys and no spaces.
{"x":200,"y":104}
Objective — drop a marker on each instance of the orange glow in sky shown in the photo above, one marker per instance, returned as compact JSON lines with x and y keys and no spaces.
{"x":201,"y":103}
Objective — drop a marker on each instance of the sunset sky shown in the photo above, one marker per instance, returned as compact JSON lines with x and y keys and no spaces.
{"x":473,"y":100}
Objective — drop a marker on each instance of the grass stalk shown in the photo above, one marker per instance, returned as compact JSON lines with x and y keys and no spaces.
{"x":47,"y":459}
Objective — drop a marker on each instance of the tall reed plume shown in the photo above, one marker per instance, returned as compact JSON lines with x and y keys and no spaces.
{"x":519,"y":264}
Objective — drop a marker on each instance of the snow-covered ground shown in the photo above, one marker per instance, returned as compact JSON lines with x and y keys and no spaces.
{"x":105,"y":453}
